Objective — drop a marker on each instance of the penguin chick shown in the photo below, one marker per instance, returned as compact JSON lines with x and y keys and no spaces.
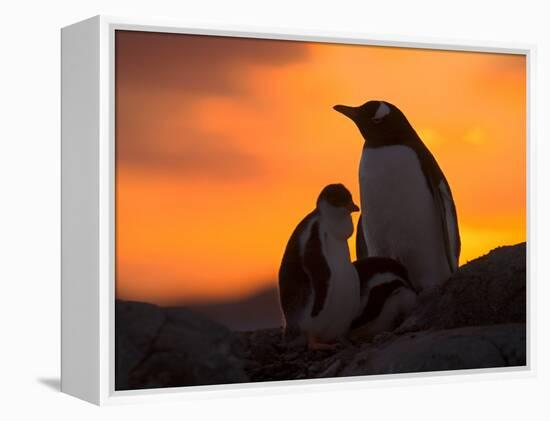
{"x":387,"y":296}
{"x":318,"y":285}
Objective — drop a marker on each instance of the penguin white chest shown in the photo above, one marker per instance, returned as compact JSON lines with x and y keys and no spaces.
{"x":401,"y":219}
{"x":342,"y":303}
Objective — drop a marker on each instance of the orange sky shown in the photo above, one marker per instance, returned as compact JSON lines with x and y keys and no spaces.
{"x":223,"y":145}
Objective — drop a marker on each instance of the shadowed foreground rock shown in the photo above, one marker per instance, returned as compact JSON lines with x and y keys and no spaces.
{"x":169,"y":347}
{"x":503,"y":345}
{"x":488,"y":290}
{"x":475,"y":320}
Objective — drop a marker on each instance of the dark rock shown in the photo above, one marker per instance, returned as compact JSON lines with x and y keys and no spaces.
{"x":472,"y":347}
{"x":453,"y":349}
{"x":176,"y":347}
{"x":488,"y":290}
{"x":476,"y":320}
{"x":136,"y":327}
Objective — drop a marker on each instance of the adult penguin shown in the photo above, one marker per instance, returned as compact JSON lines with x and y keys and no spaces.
{"x":408,"y":212}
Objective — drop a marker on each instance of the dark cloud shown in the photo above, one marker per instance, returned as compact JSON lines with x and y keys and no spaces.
{"x":159,"y":77}
{"x":192,"y":155}
{"x":196,"y":63}
{"x":161,"y":136}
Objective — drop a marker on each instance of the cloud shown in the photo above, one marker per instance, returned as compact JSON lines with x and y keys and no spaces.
{"x":196,"y":64}
{"x":190,"y":154}
{"x":164,"y":136}
{"x":160,"y":78}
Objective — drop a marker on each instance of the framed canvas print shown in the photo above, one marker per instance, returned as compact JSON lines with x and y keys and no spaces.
{"x":244,"y":209}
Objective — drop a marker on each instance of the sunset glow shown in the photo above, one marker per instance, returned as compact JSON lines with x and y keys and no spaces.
{"x":222,"y":146}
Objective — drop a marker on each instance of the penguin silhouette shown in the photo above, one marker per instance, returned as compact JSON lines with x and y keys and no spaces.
{"x":387,"y":296}
{"x":408,"y":208}
{"x":318,"y":285}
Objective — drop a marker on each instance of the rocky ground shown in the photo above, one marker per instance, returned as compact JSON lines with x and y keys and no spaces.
{"x":268,"y":358}
{"x":475,"y":320}
{"x":168,"y":347}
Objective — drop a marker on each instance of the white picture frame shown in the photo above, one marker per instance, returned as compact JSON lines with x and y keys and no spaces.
{"x":88,"y":277}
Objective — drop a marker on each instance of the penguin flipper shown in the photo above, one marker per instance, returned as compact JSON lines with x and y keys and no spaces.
{"x":450,"y":224}
{"x":380,"y":277}
{"x":360,"y":243}
{"x":317,"y":267}
{"x":441,"y":192}
{"x":377,"y":297}
{"x":294,"y":281}
{"x":369,"y":267}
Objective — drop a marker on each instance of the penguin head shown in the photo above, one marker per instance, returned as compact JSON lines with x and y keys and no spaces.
{"x":378,"y":121}
{"x":335,"y":205}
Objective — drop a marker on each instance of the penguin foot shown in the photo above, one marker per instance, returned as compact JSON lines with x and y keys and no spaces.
{"x":314,"y":344}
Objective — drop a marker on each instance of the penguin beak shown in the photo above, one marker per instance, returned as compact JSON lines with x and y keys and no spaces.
{"x":352,"y":207}
{"x":350,"y":112}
